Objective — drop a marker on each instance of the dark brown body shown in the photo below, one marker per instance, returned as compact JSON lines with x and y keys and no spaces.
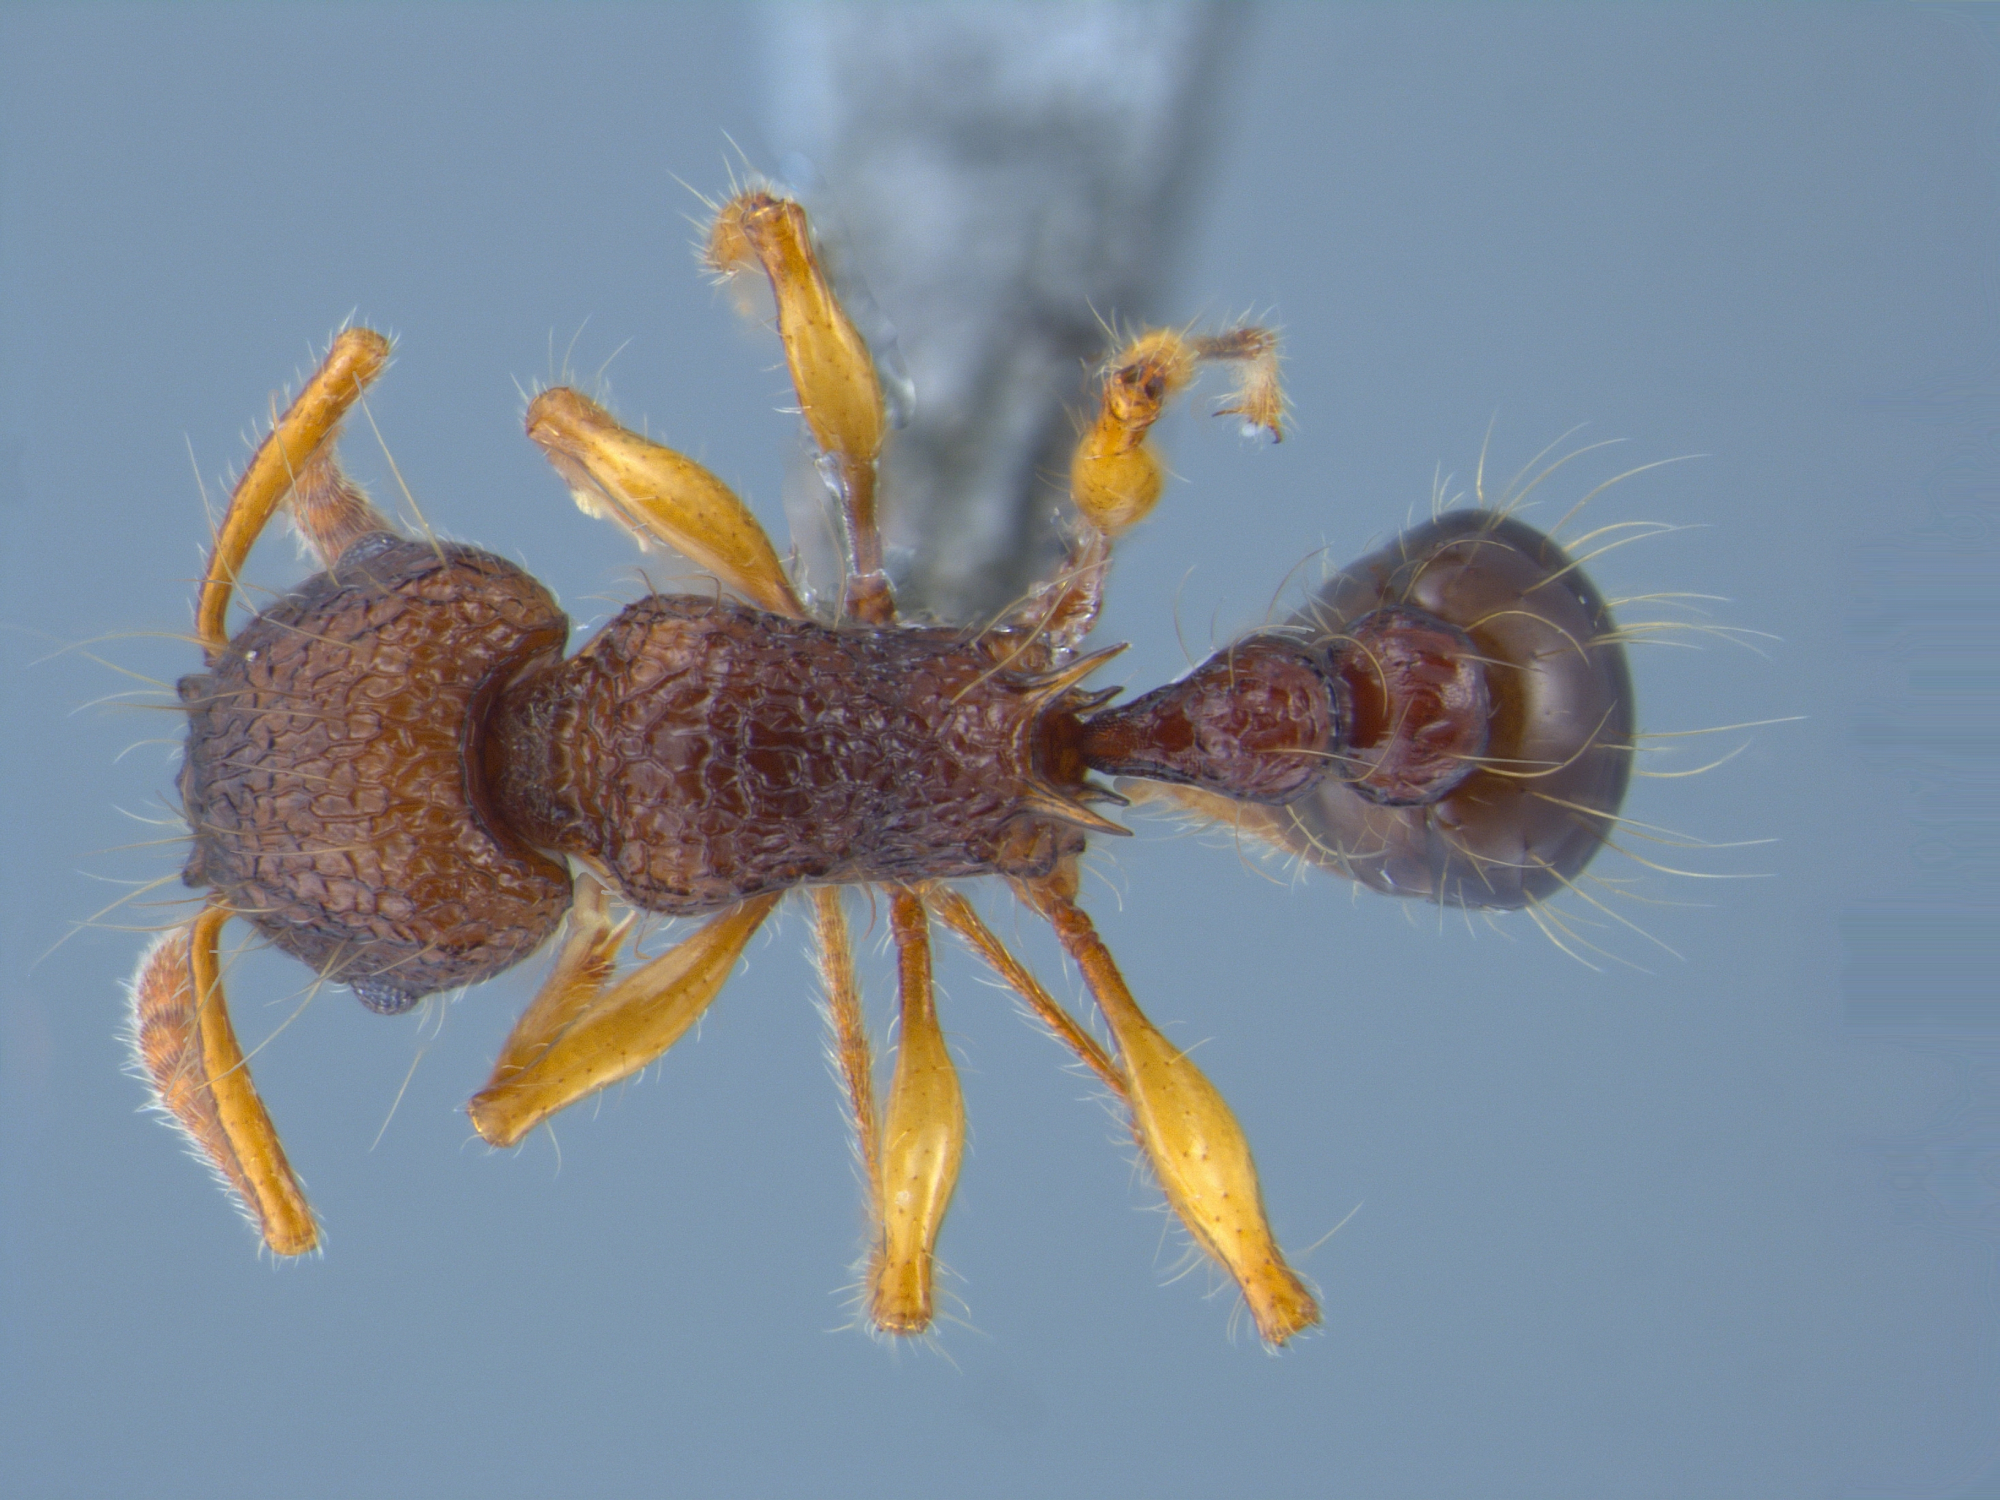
{"x":1555,"y":745}
{"x":381,"y":766}
{"x":326,"y":777}
{"x":388,"y":770}
{"x":699,"y":751}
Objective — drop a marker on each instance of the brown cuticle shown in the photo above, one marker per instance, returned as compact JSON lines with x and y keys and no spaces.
{"x":398,"y":777}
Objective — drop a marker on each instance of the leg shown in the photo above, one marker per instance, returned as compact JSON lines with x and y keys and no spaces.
{"x":1197,"y":1149}
{"x":956,"y":912}
{"x":850,"y":1035}
{"x":586,"y":960}
{"x":658,"y":495}
{"x":182,"y":1036}
{"x":923,"y":1136}
{"x":296,"y":461}
{"x":832,"y":371}
{"x":578,"y":1035}
{"x":1115,"y":477}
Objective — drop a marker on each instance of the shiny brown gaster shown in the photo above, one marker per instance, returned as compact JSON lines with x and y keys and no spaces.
{"x":399,"y":775}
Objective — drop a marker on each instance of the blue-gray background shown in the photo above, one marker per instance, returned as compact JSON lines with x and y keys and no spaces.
{"x":1722,"y":1223}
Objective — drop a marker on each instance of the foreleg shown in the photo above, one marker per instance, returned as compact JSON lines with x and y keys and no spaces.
{"x":658,"y":495}
{"x":583,"y":1033}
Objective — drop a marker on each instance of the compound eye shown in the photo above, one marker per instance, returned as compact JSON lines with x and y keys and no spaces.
{"x":1471,"y":603}
{"x":382,"y":997}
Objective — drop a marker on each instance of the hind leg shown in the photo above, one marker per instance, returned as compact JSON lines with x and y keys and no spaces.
{"x":1115,"y":477}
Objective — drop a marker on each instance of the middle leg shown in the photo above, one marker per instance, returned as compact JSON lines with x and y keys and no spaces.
{"x":923,"y":1137}
{"x":840,"y":395}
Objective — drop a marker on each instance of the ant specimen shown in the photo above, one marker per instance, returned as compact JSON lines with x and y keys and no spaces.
{"x":397,"y":775}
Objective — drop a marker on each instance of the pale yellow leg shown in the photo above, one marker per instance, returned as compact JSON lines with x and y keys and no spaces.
{"x":1196,"y":1148}
{"x":586,"y":959}
{"x":658,"y":495}
{"x":298,"y":451}
{"x":850,"y":1034}
{"x":956,"y":912}
{"x":182,"y":1036}
{"x":923,"y":1137}
{"x":580,"y":1035}
{"x":832,"y":371}
{"x":1115,"y":477}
